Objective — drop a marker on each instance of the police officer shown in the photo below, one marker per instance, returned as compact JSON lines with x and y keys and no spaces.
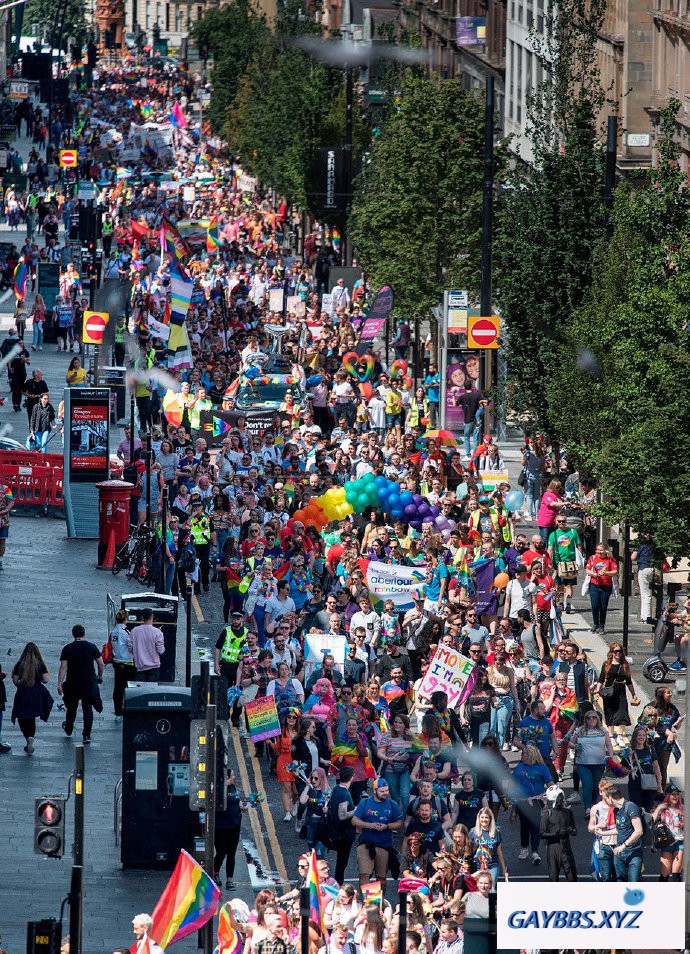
{"x":120,"y":328}
{"x":107,"y":229}
{"x":202,"y":535}
{"x":229,"y":648}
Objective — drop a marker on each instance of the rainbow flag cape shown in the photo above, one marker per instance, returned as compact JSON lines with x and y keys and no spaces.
{"x":172,"y":242}
{"x":315,"y":900}
{"x":21,"y":279}
{"x":230,"y":940}
{"x":346,"y":752}
{"x":212,"y":239}
{"x":189,"y":900}
{"x":372,"y":893}
{"x":391,"y":691}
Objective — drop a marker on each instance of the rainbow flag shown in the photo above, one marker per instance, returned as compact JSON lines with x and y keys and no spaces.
{"x":230,"y":940}
{"x":346,"y":752}
{"x":189,"y":900}
{"x":21,"y":280}
{"x":315,"y":900}
{"x":181,"y":288}
{"x":172,"y":242}
{"x":212,"y":240}
{"x":372,"y":893}
{"x":392,"y":691}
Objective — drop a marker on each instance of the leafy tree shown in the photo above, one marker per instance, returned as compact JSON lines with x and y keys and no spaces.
{"x":43,"y":13}
{"x":275,"y":121}
{"x":621,"y":393}
{"x":416,"y":213}
{"x":552,"y":216}
{"x":231,"y":33}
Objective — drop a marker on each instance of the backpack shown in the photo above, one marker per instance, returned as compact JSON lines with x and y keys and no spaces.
{"x":187,"y":561}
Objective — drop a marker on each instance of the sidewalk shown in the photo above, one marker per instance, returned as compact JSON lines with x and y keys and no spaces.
{"x":577,"y":624}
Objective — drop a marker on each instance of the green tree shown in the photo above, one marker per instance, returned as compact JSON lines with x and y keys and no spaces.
{"x":621,"y":390}
{"x":276,"y":119}
{"x":43,"y":13}
{"x":552,"y":216}
{"x":416,"y":213}
{"x":231,"y":34}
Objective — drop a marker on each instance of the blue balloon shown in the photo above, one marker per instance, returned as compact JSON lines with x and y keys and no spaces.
{"x":397,"y":513}
{"x":514,"y":500}
{"x":406,"y":498}
{"x":251,"y":373}
{"x":314,"y":380}
{"x":380,"y":481}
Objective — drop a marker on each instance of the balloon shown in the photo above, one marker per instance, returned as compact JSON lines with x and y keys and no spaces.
{"x":416,"y":524}
{"x":350,"y":363}
{"x":501,"y":580}
{"x":314,"y":379}
{"x":434,"y":511}
{"x":446,"y":535}
{"x":398,"y":369}
{"x":410,"y":510}
{"x":397,"y":513}
{"x":424,"y":510}
{"x":427,"y":519}
{"x":339,"y":494}
{"x":366,"y":389}
{"x":368,"y":479}
{"x":358,"y":367}
{"x":514,"y":500}
{"x":251,"y":373}
{"x":362,"y":503}
{"x":440,"y":521}
{"x":407,"y":382}
{"x":406,"y":498}
{"x":461,"y":491}
{"x":418,"y":499}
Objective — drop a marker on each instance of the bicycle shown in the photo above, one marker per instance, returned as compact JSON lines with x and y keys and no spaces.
{"x":136,"y":556}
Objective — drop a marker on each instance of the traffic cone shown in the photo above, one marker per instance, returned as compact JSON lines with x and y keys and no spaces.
{"x":110,"y":552}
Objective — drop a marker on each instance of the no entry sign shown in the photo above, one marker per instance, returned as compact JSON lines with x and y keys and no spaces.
{"x":483,"y":332}
{"x":94,"y":326}
{"x":68,"y":158}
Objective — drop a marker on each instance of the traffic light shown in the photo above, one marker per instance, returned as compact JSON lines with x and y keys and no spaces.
{"x":49,"y":826}
{"x":197,"y":764}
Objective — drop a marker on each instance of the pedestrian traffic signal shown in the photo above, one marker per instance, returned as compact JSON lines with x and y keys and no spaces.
{"x":49,"y":826}
{"x":199,"y":751}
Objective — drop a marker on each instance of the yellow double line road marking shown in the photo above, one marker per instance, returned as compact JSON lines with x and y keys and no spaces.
{"x":270,"y":829}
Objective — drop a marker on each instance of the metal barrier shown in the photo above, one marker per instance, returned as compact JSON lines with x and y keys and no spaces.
{"x":35,"y":479}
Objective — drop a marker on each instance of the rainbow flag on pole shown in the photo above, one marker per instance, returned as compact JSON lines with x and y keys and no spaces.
{"x":21,"y":280}
{"x":372,"y":893}
{"x":172,"y":242}
{"x":212,"y":239}
{"x":189,"y":900}
{"x":315,"y":899}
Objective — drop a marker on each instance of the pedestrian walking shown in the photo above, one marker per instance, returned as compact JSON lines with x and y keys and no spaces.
{"x":600,"y":569}
{"x":227,"y":839}
{"x":147,"y":644}
{"x":6,"y":504}
{"x":31,"y":700}
{"x":78,"y":681}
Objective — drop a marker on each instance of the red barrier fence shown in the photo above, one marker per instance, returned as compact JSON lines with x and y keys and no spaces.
{"x":35,"y":479}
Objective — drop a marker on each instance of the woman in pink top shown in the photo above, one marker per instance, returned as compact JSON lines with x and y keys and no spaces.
{"x":551,"y":503}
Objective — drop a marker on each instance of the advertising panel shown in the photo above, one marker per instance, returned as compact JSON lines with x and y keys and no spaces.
{"x":89,"y":435}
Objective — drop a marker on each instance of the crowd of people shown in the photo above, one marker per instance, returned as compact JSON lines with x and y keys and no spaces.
{"x":372,"y":772}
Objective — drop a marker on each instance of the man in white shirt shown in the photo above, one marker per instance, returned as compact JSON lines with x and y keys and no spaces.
{"x":368,"y":619}
{"x":340,"y":296}
{"x":278,"y":606}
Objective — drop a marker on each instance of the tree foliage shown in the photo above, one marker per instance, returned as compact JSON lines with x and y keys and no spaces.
{"x":43,"y":13}
{"x":621,"y":391}
{"x":552,"y":216}
{"x":416,"y":213}
{"x":231,"y":33}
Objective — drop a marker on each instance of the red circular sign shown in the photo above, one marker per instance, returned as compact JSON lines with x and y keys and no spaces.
{"x":94,"y":327}
{"x":484,"y":332}
{"x":68,"y":158}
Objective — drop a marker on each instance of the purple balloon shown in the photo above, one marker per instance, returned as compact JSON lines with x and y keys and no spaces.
{"x":418,"y":498}
{"x":428,"y":519}
{"x":423,"y":509}
{"x":411,"y":511}
{"x":416,"y":524}
{"x":434,"y":511}
{"x":440,"y":521}
{"x":446,"y":535}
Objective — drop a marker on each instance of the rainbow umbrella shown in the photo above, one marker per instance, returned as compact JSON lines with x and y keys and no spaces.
{"x":442,"y":438}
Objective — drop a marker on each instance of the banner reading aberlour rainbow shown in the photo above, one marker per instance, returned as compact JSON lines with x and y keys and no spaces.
{"x":397,"y":583}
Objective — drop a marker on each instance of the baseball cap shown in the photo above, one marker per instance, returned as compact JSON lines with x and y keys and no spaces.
{"x":484,"y":499}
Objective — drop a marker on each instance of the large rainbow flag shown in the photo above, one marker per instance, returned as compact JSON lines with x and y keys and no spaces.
{"x":189,"y":900}
{"x":316,"y":906}
{"x":21,"y":279}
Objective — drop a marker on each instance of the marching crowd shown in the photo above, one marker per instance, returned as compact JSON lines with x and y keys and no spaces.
{"x":373,"y":773}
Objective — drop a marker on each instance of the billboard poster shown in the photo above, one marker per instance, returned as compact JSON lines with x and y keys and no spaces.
{"x":470,"y":31}
{"x":462,"y":369}
{"x":89,"y":435}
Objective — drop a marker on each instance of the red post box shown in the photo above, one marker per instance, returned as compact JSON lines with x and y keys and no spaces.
{"x":113,"y":519}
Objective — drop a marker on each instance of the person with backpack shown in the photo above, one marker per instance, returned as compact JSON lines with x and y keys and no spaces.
{"x":341,"y":808}
{"x":628,"y":853}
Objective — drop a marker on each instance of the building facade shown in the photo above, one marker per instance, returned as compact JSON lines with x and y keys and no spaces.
{"x":670,"y":65}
